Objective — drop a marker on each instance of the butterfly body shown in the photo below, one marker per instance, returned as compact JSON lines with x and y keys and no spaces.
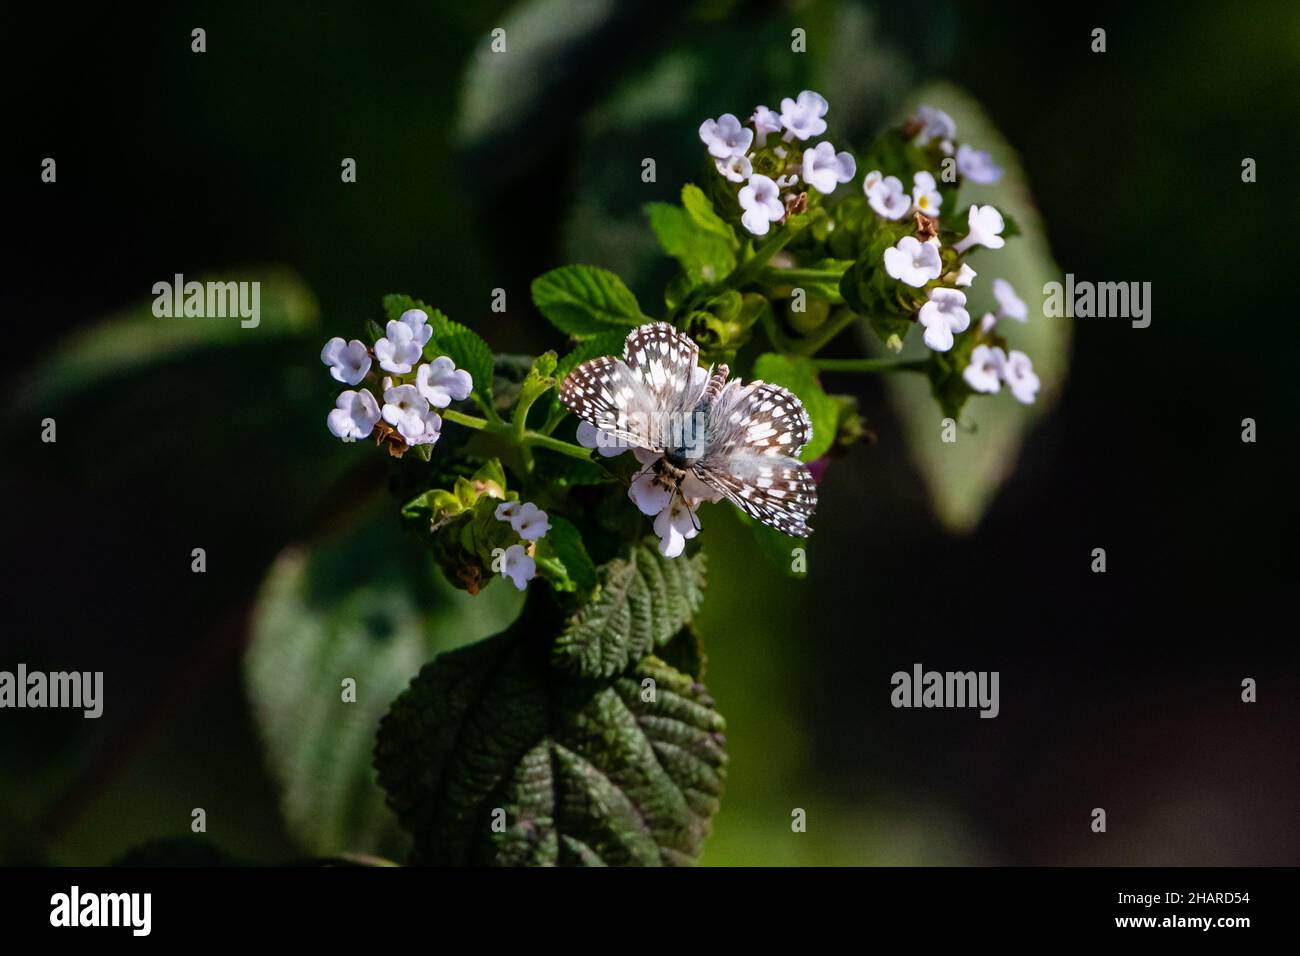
{"x":713,"y":438}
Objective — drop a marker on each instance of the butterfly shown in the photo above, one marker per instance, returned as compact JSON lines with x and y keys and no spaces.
{"x":727,"y":438}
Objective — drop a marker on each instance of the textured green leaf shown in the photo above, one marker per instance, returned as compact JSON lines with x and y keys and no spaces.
{"x":585,"y":300}
{"x":643,"y":600}
{"x":703,"y":254}
{"x":700,"y":208}
{"x":578,"y":772}
{"x":563,"y":545}
{"x":798,"y":375}
{"x":369,"y":607}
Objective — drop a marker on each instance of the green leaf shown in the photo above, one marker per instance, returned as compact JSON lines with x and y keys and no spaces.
{"x":798,"y":375}
{"x":700,"y":208}
{"x":562,"y":557}
{"x":585,"y":300}
{"x":368,"y":607}
{"x":580,"y":772}
{"x":704,"y":255}
{"x":962,"y":477}
{"x":642,"y":601}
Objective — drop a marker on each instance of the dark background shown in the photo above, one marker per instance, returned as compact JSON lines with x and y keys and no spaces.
{"x":1118,"y":691}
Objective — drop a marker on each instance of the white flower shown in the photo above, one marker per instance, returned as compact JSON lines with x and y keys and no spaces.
{"x":589,"y":436}
{"x":977,"y":165}
{"x":924,"y":194}
{"x":348,"y":361}
{"x":675,"y":525}
{"x":762,"y":204}
{"x":432,"y":430}
{"x":399,"y":349}
{"x":725,"y":137}
{"x":824,"y":169}
{"x":507,"y":510}
{"x":913,"y":261}
{"x":1010,"y":305}
{"x":935,"y":124}
{"x":736,"y":168}
{"x":943,"y":315}
{"x":1018,"y":373}
{"x":987,"y":323}
{"x":649,"y":494}
{"x":354,"y":416}
{"x":965,"y":276}
{"x":803,"y":117}
{"x":886,"y":196}
{"x":530,"y":521}
{"x":406,"y":410}
{"x":984,"y":373}
{"x":518,"y":566}
{"x":418,"y":322}
{"x":765,"y":121}
{"x":985,"y":229}
{"x":440,"y":382}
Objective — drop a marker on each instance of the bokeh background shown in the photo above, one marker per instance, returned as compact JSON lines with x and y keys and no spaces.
{"x":1118,"y":691}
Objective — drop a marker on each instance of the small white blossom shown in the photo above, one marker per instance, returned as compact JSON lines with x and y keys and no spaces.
{"x":987,"y":323}
{"x":984,"y":373}
{"x":608,"y":445}
{"x":1010,"y":305}
{"x":824,"y":169}
{"x":406,"y":410}
{"x":913,"y":261}
{"x":736,"y":168}
{"x":432,"y":429}
{"x":399,"y":349}
{"x":802,"y":117}
{"x":943,"y":315}
{"x":418,"y":322}
{"x":649,"y":494}
{"x":675,"y":525}
{"x":518,"y":566}
{"x":348,"y":361}
{"x":765,"y":121}
{"x":977,"y":165}
{"x":965,"y":276}
{"x":440,"y":382}
{"x":725,"y":137}
{"x":935,"y":124}
{"x":885,"y":195}
{"x":1018,"y":373}
{"x":354,"y":416}
{"x":925,"y":194}
{"x":530,"y":521}
{"x":761,"y":201}
{"x":507,"y":510}
{"x":986,"y":226}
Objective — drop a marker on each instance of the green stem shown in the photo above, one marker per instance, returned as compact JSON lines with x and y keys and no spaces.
{"x":747,"y":270}
{"x":469,"y":421}
{"x":841,"y":319}
{"x":554,"y":444}
{"x":870,"y":365}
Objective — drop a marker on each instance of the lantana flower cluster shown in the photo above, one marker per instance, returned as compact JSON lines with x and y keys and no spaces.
{"x":412,"y":389}
{"x":917,"y":261}
{"x":775,"y":174}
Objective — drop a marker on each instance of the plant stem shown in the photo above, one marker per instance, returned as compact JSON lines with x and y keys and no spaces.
{"x":841,"y":319}
{"x":469,"y":421}
{"x":870,"y":365}
{"x":554,"y":444}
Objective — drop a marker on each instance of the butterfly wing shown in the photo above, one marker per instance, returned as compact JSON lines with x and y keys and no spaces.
{"x":640,"y":397}
{"x":755,"y":432}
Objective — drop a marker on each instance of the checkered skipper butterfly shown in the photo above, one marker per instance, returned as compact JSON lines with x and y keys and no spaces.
{"x":725,"y":438}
